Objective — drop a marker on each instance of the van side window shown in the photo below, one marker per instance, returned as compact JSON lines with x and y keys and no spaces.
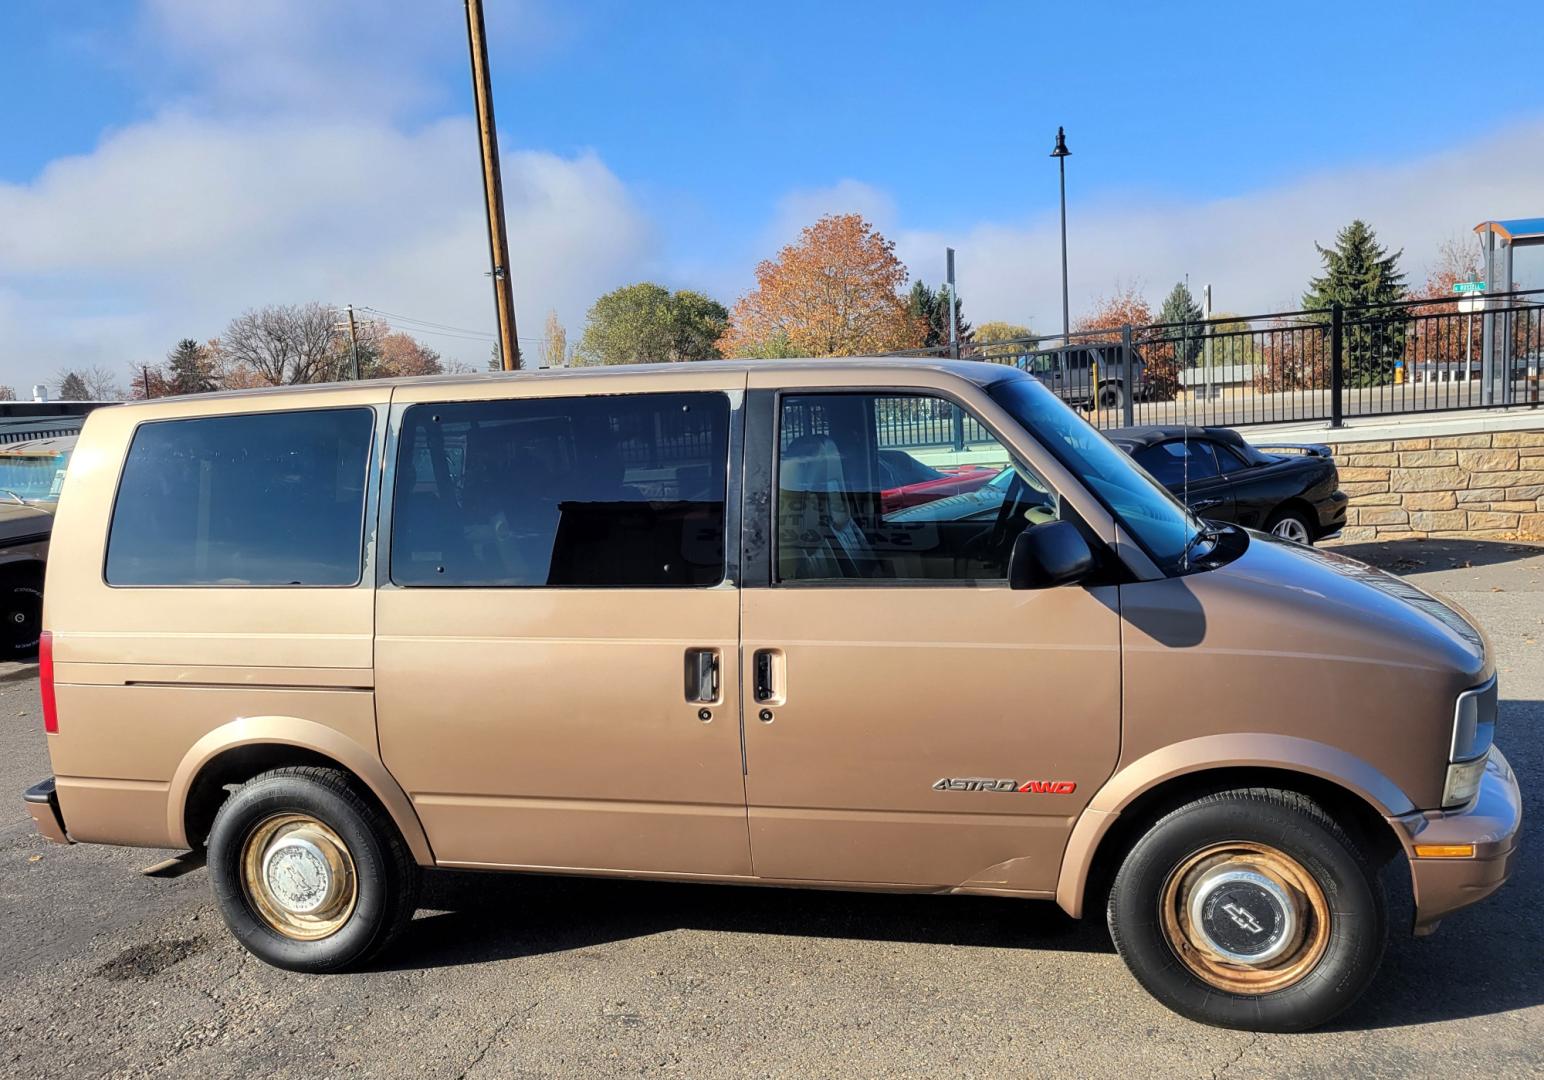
{"x":900,"y":487}
{"x":274,"y":498}
{"x":625,"y":491}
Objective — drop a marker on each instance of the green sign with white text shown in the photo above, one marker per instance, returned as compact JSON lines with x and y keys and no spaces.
{"x":1468,"y":286}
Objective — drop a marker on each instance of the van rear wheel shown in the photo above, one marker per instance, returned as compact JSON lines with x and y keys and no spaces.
{"x":1250,"y":909}
{"x":309,"y":874}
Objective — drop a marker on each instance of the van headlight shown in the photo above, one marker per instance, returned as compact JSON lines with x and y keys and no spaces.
{"x":1474,"y":729}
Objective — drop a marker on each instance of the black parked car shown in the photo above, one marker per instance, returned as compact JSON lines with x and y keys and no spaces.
{"x":1290,"y":491}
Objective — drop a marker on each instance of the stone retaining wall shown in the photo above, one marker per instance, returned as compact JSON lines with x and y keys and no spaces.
{"x":1489,"y":484}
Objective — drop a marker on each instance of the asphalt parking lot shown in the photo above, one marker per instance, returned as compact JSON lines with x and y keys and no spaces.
{"x":106,"y":972}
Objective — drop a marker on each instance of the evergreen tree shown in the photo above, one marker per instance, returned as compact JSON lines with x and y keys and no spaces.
{"x":1359,"y":273}
{"x":72,"y":387}
{"x":188,"y":369}
{"x":1181,"y":307}
{"x":932,"y":310}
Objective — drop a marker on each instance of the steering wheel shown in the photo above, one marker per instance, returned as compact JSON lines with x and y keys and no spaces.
{"x":1005,"y":512}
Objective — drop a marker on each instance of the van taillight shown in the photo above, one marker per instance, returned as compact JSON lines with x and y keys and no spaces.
{"x":46,"y":682}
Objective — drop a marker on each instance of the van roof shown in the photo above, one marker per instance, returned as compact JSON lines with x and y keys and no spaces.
{"x":982,"y":372}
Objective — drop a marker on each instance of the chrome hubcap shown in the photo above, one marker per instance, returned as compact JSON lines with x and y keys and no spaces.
{"x":1245,"y":917}
{"x":1242,"y":915}
{"x":1291,"y":529}
{"x":299,"y":876}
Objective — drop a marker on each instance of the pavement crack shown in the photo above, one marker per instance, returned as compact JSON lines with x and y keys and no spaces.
{"x":1254,"y":1039}
{"x":494,"y":1037}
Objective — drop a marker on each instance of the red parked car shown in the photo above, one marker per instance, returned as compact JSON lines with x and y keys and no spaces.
{"x":908,"y":482}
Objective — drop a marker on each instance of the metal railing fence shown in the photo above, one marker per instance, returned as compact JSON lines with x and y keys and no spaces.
{"x":1414,"y":356}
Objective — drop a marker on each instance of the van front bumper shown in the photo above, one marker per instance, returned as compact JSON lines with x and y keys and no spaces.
{"x":43,"y":804}
{"x":1489,"y":824}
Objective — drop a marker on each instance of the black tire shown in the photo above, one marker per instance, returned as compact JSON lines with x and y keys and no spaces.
{"x":21,"y":615}
{"x":1299,"y":829}
{"x":1111,"y":396}
{"x":387,"y":877}
{"x":1292,"y":518}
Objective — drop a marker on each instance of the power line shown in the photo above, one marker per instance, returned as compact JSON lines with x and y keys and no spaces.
{"x":413,"y":331}
{"x":395,"y":316}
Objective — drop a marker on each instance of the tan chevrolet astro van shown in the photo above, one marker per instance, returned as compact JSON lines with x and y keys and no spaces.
{"x":871,"y":624}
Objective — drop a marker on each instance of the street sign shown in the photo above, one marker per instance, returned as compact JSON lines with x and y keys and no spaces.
{"x":1468,"y":286}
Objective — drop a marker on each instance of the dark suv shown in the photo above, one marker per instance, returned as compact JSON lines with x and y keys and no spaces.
{"x":1089,"y":375}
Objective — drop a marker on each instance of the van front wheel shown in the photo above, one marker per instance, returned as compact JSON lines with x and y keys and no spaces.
{"x":309,"y":874}
{"x":1250,"y":909}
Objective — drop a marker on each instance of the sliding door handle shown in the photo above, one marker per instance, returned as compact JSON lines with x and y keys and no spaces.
{"x":702,"y":676}
{"x":763,"y":675}
{"x":769,"y":677}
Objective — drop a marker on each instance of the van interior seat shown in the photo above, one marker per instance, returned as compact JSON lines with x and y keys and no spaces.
{"x":819,"y":534}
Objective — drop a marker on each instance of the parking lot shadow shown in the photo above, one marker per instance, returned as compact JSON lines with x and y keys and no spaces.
{"x":1419,"y":556}
{"x":471,"y":918}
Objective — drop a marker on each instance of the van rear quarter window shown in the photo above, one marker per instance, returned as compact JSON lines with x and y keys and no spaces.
{"x":273,"y":498}
{"x":621,"y":491}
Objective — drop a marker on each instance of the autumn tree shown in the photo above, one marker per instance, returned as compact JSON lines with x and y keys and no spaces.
{"x":554,"y":342}
{"x":1105,"y":324}
{"x":931,"y":311}
{"x":1437,"y":329}
{"x":647,"y":323}
{"x":987,"y":340}
{"x":148,"y":381}
{"x":1359,"y":273}
{"x":1458,"y":259}
{"x":1294,"y":355}
{"x":398,"y":354}
{"x":834,"y":292}
{"x":1126,"y":306}
{"x":284,"y":345}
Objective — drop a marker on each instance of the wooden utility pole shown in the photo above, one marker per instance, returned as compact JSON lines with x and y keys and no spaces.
{"x":493,"y":186}
{"x":353,"y":341}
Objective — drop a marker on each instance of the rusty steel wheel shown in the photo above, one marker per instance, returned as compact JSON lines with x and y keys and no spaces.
{"x":1245,"y":917}
{"x":309,"y":871}
{"x":298,"y":876}
{"x":1250,"y":908}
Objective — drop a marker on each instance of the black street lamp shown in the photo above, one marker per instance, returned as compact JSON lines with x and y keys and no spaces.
{"x":1061,"y":153}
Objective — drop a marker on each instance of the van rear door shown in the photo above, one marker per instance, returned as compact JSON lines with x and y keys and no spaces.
{"x":558,"y":625}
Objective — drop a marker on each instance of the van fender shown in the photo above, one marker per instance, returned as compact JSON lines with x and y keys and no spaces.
{"x":305,"y":735}
{"x":1204,"y":754}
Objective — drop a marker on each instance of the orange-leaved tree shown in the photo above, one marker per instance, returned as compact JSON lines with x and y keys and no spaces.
{"x":1438,"y":330}
{"x":1128,"y":307}
{"x":836,"y":291}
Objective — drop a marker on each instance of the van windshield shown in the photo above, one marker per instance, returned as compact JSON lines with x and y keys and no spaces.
{"x":1158,"y":521}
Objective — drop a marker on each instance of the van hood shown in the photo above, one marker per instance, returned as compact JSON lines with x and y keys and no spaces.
{"x":1368,"y":612}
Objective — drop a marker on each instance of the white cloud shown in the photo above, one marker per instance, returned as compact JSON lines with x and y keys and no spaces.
{"x":171,"y":227}
{"x":1256,"y":249}
{"x":339,"y":57}
{"x":805,"y":206}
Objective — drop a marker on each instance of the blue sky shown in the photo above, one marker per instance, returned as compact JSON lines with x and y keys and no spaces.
{"x":167,"y":163}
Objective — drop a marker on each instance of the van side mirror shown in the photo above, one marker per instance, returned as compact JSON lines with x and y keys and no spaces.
{"x":1049,"y":554}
